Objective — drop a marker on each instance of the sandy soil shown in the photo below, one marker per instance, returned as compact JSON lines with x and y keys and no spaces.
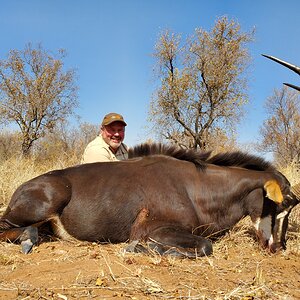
{"x":238,"y":269}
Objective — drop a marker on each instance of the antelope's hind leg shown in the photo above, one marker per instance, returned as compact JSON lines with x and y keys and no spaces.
{"x":27,"y":236}
{"x":28,"y":239}
{"x":32,"y":204}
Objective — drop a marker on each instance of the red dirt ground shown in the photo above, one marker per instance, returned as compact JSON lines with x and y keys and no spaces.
{"x":238,"y":269}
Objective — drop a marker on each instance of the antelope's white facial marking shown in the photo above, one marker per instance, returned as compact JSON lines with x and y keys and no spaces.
{"x":279,"y":221}
{"x":282,"y":214}
{"x":263,"y":227}
{"x":270,"y":236}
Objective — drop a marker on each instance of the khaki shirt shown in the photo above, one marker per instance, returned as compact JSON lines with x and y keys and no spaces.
{"x":97,"y":150}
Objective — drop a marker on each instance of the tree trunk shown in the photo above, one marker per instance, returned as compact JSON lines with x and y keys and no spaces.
{"x":26,"y":147}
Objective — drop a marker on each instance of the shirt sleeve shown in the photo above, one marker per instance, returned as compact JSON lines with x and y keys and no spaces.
{"x":95,"y":154}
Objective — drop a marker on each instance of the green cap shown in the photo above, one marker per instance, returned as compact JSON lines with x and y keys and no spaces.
{"x":113,"y":117}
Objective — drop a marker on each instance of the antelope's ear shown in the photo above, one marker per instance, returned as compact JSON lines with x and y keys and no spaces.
{"x":273,"y":191}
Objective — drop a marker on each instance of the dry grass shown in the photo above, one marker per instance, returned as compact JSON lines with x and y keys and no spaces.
{"x":292,"y":172}
{"x":16,"y":171}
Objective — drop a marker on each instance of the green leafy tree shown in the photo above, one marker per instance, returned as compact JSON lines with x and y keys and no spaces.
{"x":35,"y":92}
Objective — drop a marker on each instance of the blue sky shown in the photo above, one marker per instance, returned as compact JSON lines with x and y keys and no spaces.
{"x":110,"y":44}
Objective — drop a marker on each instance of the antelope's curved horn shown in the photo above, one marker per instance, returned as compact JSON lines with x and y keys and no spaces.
{"x":296,"y":190}
{"x":293,"y":86}
{"x":284,"y":63}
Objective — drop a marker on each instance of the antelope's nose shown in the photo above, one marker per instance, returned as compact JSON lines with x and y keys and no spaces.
{"x":276,"y":247}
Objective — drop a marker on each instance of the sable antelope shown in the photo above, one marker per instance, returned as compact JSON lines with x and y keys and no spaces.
{"x":288,"y":65}
{"x":174,"y":199}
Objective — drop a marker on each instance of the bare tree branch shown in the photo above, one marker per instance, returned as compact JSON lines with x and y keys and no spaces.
{"x":202,"y":84}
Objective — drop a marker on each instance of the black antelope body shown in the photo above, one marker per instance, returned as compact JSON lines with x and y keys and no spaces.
{"x":174,"y":199}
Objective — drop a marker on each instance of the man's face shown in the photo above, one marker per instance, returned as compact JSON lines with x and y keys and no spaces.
{"x":113,"y":134}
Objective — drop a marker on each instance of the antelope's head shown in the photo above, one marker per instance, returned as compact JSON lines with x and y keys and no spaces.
{"x":279,"y":200}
